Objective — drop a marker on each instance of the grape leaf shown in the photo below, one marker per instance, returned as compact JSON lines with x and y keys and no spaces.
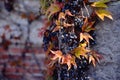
{"x":81,"y":50}
{"x":67,"y":24}
{"x":87,"y":26}
{"x":100,"y":4}
{"x":92,"y":60}
{"x":57,"y":55}
{"x":94,"y":57}
{"x":43,"y":4}
{"x":103,"y":13}
{"x":58,"y":25}
{"x":49,"y":48}
{"x":57,"y":22}
{"x":69,"y":60}
{"x":63,"y":59}
{"x":54,"y":8}
{"x":85,"y":36}
{"x":61,"y":15}
{"x":67,"y":12}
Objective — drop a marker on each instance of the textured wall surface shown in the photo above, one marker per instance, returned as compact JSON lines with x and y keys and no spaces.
{"x":18,"y":62}
{"x":108,"y":43}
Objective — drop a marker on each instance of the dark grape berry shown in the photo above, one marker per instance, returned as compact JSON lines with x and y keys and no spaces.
{"x":78,"y":22}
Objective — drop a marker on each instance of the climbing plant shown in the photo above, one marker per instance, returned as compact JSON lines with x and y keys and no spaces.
{"x":69,"y":35}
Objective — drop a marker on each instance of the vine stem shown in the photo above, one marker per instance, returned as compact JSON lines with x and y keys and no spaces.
{"x":59,"y":44}
{"x":86,"y":9}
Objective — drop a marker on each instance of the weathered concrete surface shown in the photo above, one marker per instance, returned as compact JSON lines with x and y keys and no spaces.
{"x":108,"y":44}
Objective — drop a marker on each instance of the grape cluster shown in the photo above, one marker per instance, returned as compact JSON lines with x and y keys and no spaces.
{"x":73,"y":73}
{"x":74,"y":6}
{"x":93,"y":34}
{"x":66,"y":40}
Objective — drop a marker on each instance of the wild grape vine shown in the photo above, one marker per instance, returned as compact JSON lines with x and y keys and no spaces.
{"x":69,"y":36}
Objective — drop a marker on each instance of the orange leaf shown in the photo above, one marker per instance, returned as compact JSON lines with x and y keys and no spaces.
{"x":67,"y":12}
{"x":91,"y":59}
{"x":57,"y":22}
{"x":69,"y":60}
{"x":61,"y":16}
{"x":96,"y":55}
{"x":57,"y":55}
{"x":87,"y":26}
{"x":85,"y":36}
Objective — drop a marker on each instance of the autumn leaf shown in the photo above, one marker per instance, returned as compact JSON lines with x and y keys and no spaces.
{"x":62,"y":59}
{"x":54,"y":8}
{"x":69,"y":60}
{"x":67,"y":24}
{"x":81,"y":50}
{"x":100,"y":3}
{"x":57,"y":55}
{"x":67,"y":12}
{"x":92,"y":60}
{"x":87,"y":26}
{"x":44,"y":5}
{"x":58,"y":25}
{"x":49,"y":48}
{"x":61,"y":15}
{"x":94,"y":57}
{"x":103,"y":13}
{"x":100,"y":9}
{"x":51,"y":64}
{"x":85,"y":36}
{"x":57,"y":22}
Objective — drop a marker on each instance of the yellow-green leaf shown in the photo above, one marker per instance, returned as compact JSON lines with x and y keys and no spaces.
{"x":81,"y":50}
{"x":101,"y":13}
{"x":54,"y":8}
{"x":44,"y":5}
{"x":100,"y":3}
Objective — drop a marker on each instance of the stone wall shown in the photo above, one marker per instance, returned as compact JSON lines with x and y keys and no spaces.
{"x":21,"y":57}
{"x":19,"y":65}
{"x":108,"y":44}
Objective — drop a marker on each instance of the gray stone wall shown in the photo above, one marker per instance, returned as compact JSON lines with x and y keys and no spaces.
{"x":108,"y":44}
